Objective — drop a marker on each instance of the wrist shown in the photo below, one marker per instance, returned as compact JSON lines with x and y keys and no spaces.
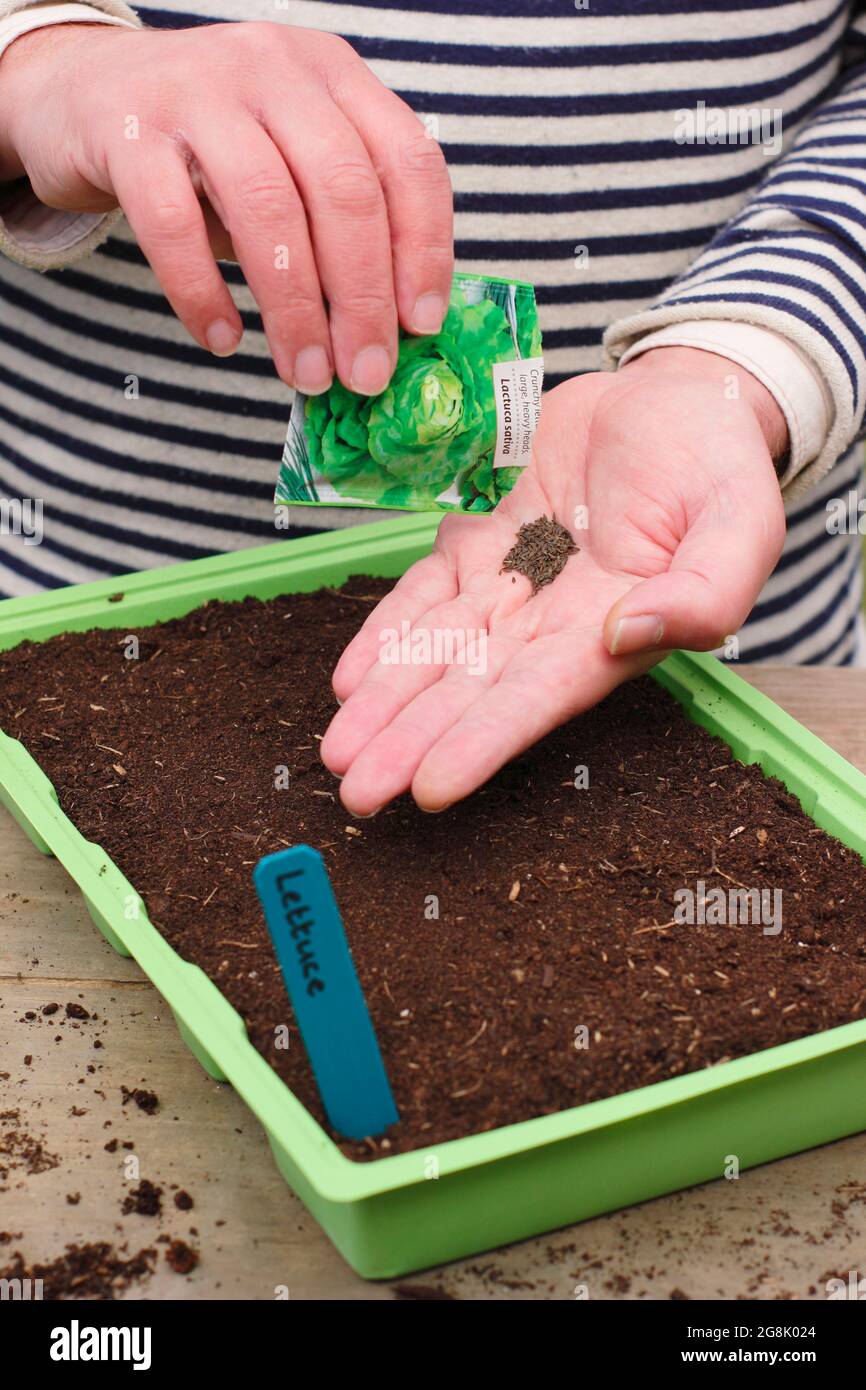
{"x":736,"y":381}
{"x":27,"y":67}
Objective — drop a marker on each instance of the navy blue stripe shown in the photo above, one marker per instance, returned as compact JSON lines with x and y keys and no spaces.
{"x":607,"y":292}
{"x":582,"y":156}
{"x":763,"y":241}
{"x":190,"y":396}
{"x":779,"y":603}
{"x":468,"y":248}
{"x":603,"y":200}
{"x":117,"y":249}
{"x":854,"y":287}
{"x":797,"y":161}
{"x":190,"y":354}
{"x":147,"y":300}
{"x":193,"y":516}
{"x":43,"y":578}
{"x":503,"y":9}
{"x":566,"y":200}
{"x":608,"y":103}
{"x":793,"y":557}
{"x":173,"y":19}
{"x":147,"y":425}
{"x":839,"y":111}
{"x":92,"y":559}
{"x":771,"y":276}
{"x":605,"y":153}
{"x":159,"y":545}
{"x":822,"y":658}
{"x":824,"y":142}
{"x":589,"y":55}
{"x":122,"y":463}
{"x":829,"y":487}
{"x":471,"y":250}
{"x":780,"y":645}
{"x":573,"y":337}
{"x":786,"y":174}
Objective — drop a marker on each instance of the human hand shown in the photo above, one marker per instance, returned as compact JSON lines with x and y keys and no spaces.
{"x":683,"y":525}
{"x":259,"y":142}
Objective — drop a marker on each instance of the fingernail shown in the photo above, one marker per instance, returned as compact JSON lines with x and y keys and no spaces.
{"x":222,"y":338}
{"x":371,"y":371}
{"x":435,"y":810}
{"x":428,"y":314}
{"x":357,"y":815}
{"x":637,"y":634}
{"x":312,"y":373}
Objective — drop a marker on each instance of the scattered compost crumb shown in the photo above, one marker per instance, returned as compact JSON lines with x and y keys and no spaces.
{"x":93,"y":1271}
{"x":540,"y":551}
{"x":148,"y":1101}
{"x":183,"y":1201}
{"x":20,"y":1150}
{"x":76,"y":1011}
{"x":477,"y":1010}
{"x":425,"y":1293}
{"x":144,"y":1200}
{"x":50,"y":1009}
{"x":182,"y":1258}
{"x":73,"y":1198}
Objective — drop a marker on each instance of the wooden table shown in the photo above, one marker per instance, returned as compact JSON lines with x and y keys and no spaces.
{"x":779,"y":1231}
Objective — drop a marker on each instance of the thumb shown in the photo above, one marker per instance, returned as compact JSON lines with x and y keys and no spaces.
{"x":715,"y":576}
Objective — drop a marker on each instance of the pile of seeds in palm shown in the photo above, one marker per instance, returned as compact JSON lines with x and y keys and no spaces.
{"x":540,"y":551}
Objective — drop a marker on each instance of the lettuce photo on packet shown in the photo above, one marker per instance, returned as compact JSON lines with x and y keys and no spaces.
{"x":429,"y":440}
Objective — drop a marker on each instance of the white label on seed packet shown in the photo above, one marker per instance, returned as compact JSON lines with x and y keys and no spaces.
{"x":518,"y":405}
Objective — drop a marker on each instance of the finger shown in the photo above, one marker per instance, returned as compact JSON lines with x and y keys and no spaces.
{"x":429,"y":582}
{"x":160,"y":204}
{"x":386,"y":766}
{"x":550,"y":680}
{"x":716,"y":574}
{"x":418,"y":195}
{"x":258,"y":204}
{"x":348,"y":222}
{"x":410,"y":660}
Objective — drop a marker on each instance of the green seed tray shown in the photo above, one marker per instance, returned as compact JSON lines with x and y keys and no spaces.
{"x":391,"y":1216}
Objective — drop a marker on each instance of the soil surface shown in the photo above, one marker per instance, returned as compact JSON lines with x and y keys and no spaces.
{"x":489,"y":940}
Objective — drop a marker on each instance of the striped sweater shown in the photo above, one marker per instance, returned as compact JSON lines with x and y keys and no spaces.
{"x":689,"y":167}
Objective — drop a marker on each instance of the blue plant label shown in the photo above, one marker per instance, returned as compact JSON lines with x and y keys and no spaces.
{"x":319,"y":973}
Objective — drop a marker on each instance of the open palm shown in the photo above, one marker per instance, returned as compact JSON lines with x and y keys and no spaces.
{"x":670,"y":494}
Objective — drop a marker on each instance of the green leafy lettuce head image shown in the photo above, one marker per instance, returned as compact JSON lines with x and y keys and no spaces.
{"x":435,"y":421}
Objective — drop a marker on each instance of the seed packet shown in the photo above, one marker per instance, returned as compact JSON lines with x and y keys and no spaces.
{"x":452,"y":429}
